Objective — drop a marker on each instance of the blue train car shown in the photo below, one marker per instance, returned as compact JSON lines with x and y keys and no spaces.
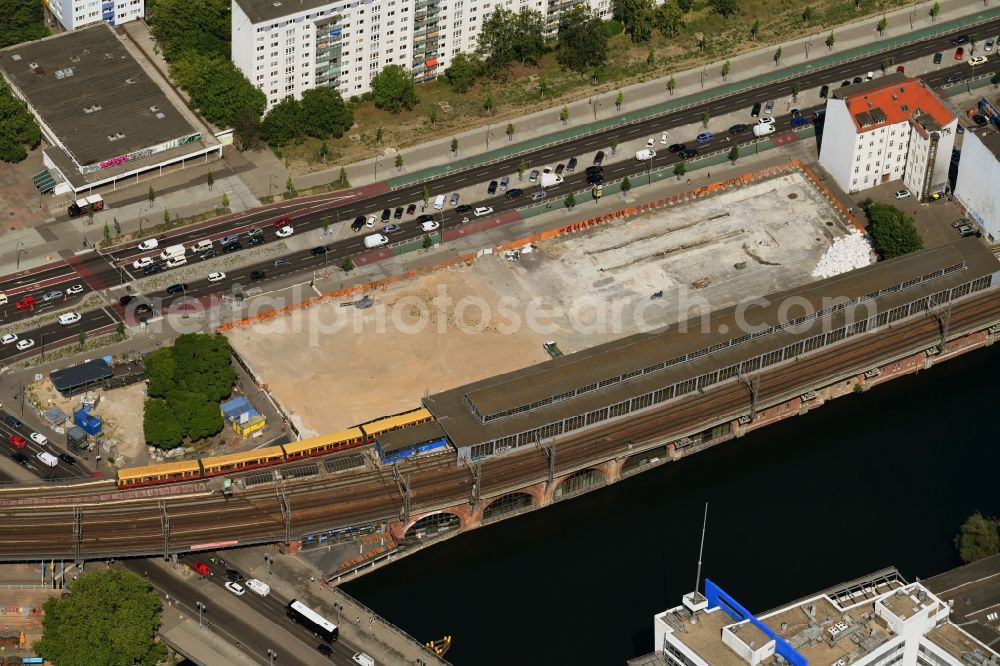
{"x":412,"y":440}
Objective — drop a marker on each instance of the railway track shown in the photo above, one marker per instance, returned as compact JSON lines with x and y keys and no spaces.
{"x":135,"y":525}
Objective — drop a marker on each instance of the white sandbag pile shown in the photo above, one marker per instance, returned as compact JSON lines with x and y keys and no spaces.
{"x":847,"y":253}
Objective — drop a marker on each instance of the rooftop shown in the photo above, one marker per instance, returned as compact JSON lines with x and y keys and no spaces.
{"x":93,"y":94}
{"x":974,"y":592}
{"x":892,"y":99}
{"x":260,"y":11}
{"x":990,"y":137}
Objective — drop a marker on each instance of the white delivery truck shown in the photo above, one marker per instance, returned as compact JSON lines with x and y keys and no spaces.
{"x":439,"y":202}
{"x":47,"y":459}
{"x":550,"y":178}
{"x":376,"y":240}
{"x":763,"y":129}
{"x":171,"y":252}
{"x":259,"y":586}
{"x":645,"y":154}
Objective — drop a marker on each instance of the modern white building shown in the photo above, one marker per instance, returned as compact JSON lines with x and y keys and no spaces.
{"x":73,"y":14}
{"x":876,"y":621}
{"x":977,"y":188}
{"x":891,"y":128}
{"x":285,"y":47}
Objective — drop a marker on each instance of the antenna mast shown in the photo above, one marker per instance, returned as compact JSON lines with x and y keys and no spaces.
{"x":695,"y":601}
{"x":701,"y":550}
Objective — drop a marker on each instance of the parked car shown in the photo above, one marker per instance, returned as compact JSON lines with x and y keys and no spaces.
{"x":492,"y":187}
{"x":514,"y":193}
{"x":284,"y":232}
{"x":454,"y":199}
{"x":463,"y":209}
{"x":858,"y":79}
{"x":10,"y":338}
{"x":370,"y":222}
{"x":411,"y":209}
{"x":738,"y":128}
{"x":678,"y":147}
{"x":429,"y":226}
{"x":824,"y":92}
{"x":74,"y":290}
{"x":664,"y":138}
{"x":959,"y":53}
{"x":560,"y":168}
{"x":202,"y":568}
{"x":598,"y":157}
{"x":901,"y":69}
{"x":533,"y":176}
{"x":975,"y":61}
{"x":25,"y":343}
{"x":769,"y":106}
{"x":540,"y":194}
{"x":704,"y":137}
{"x":390,"y":228}
{"x":844,"y":84}
{"x":217,"y":276}
{"x":386,"y":214}
{"x":125,"y":300}
{"x":870,"y":76}
{"x":503,"y":183}
{"x":902,"y":194}
{"x":571,"y":165}
{"x":965,"y":231}
{"x":483,"y":210}
{"x":398,"y":213}
{"x":937,"y":58}
{"x":755,"y":111}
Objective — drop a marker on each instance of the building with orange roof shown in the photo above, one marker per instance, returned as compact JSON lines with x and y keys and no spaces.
{"x":891,"y":128}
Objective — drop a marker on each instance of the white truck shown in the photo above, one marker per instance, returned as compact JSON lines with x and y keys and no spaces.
{"x":549,"y":178}
{"x":645,"y":154}
{"x":171,"y":252}
{"x":376,"y":240}
{"x":763,"y":129}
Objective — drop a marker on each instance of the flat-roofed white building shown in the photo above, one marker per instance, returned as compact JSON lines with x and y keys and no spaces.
{"x":977,"y":188}
{"x":891,"y":128}
{"x":73,"y":14}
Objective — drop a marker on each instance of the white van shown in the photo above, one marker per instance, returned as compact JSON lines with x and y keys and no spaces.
{"x":201,"y":246}
{"x":259,"y":586}
{"x":376,"y":240}
{"x":47,"y":459}
{"x":175,"y":261}
{"x":439,"y":202}
{"x":760,"y":130}
{"x":363,"y":659}
{"x":171,"y":252}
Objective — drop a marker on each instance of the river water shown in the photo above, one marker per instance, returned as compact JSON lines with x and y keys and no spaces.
{"x":865,"y":482}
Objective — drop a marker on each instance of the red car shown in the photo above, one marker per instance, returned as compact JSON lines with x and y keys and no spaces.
{"x":959,"y":53}
{"x":26,"y":303}
{"x":901,"y":69}
{"x":282,"y":221}
{"x":201,"y":568}
{"x":17,"y":441}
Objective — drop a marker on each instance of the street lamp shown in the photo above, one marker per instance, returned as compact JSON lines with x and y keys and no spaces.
{"x":141,"y":211}
{"x":270,"y":184}
{"x":808,"y":43}
{"x":269,"y":558}
{"x":338,"y":607}
{"x":201,"y":608}
{"x":377,"y":155}
{"x":488,"y":132}
{"x":19,"y":251}
{"x":271,"y":656}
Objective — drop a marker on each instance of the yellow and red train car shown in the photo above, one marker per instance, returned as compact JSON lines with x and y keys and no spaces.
{"x":323,"y":444}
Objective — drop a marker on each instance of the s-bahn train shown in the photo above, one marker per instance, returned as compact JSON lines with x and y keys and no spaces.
{"x":373,"y":432}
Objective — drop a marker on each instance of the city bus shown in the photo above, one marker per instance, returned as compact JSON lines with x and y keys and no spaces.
{"x":312,"y":621}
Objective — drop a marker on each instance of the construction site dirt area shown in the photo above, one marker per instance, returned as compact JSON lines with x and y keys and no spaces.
{"x":333,"y":365}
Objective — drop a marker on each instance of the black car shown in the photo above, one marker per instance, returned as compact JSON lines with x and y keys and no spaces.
{"x":256,"y":275}
{"x":858,"y":79}
{"x":492,"y":189}
{"x":317,"y":251}
{"x":795,"y":113}
{"x":463,"y":209}
{"x":152,"y":269}
{"x":739,"y":128}
{"x":755,"y":111}
{"x":19,"y":458}
{"x":844,"y":84}
{"x":824,"y":92}
{"x":515,"y":193}
{"x":954,"y":78}
{"x":125,"y":300}
{"x":591,"y":170}
{"x":961,"y":39}
{"x":255,"y":240}
{"x":325,"y":650}
{"x":425,"y":218}
{"x":67,"y":458}
{"x":143,"y":309}
{"x":358,"y":223}
{"x":208,"y":254}
{"x":386,"y":214}
{"x":231,"y":247}
{"x":688,"y":153}
{"x":980,"y":120}
{"x":410,"y":209}
{"x":234,"y":575}
{"x":595,"y":179}
{"x":571,"y":165}
{"x":398,"y":214}
{"x":676,"y":147}
{"x":179,"y":288}
{"x":598,"y":158}
{"x":12,"y":421}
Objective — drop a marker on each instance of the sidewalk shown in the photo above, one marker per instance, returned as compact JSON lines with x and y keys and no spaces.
{"x":693,"y":87}
{"x":292,"y":578}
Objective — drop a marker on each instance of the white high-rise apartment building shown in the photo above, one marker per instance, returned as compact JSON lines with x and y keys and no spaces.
{"x":73,"y":14}
{"x":286,"y":47}
{"x":888,"y":129}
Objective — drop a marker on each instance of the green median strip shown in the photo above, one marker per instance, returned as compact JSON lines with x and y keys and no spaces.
{"x":693,"y":99}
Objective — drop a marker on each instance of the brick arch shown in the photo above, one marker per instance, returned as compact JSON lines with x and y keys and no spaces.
{"x":461,"y":512}
{"x":558,"y":481}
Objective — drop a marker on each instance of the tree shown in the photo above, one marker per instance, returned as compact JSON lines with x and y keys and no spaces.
{"x":637,"y":16}
{"x":977,"y":538}
{"x":220,"y":91}
{"x":830,"y":40}
{"x":755,"y":28}
{"x":726,"y":68}
{"x":570,"y":200}
{"x":614,"y":145}
{"x":342,"y":177}
{"x":702,"y":42}
{"x":734,"y":154}
{"x":18,"y":128}
{"x":619,"y":100}
{"x":428,"y":242}
{"x":669,"y":19}
{"x":564,"y":115}
{"x":283,"y":123}
{"x":192,"y":27}
{"x":151,"y":195}
{"x":289,"y":187}
{"x":246,"y":127}
{"x":393,"y":89}
{"x":433,"y":116}
{"x":81,"y":337}
{"x":454,"y":146}
{"x":882,"y":25}
{"x":650,"y":58}
{"x":680,"y":169}
{"x":626,"y":185}
{"x":724,"y":7}
{"x":347,"y":264}
{"x":583,"y":44}
{"x":107,"y":234}
{"x":210,"y":179}
{"x":671,"y":84}
{"x":777,"y":56}
{"x":23,"y":22}
{"x":399,"y":162}
{"x":521,"y":168}
{"x":808,"y":14}
{"x":166,"y":216}
{"x":225,"y":200}
{"x":705,"y":117}
{"x":934,"y":11}
{"x":324,"y":152}
{"x":426,"y":195}
{"x":884,"y":65}
{"x":488,"y":103}
{"x":506,"y":37}
{"x":995,"y":80}
{"x":796,"y":89}
{"x":120,"y":329}
{"x":510,"y":131}
{"x":464,"y":70}
{"x":378,"y":132}
{"x":109,"y":617}
{"x":893,"y":232}
{"x":685,"y":5}
{"x":325,"y":114}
